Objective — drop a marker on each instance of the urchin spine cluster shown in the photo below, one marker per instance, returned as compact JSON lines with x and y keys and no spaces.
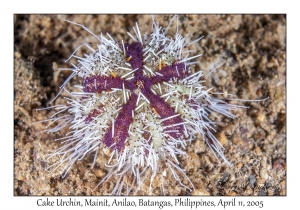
{"x":142,"y":101}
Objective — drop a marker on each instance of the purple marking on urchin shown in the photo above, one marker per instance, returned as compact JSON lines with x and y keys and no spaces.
{"x":119,"y":133}
{"x":176,"y":70}
{"x":97,"y":84}
{"x":93,"y":114}
{"x":134,"y":53}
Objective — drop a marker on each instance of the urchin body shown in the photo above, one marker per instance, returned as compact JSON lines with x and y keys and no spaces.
{"x":142,"y":101}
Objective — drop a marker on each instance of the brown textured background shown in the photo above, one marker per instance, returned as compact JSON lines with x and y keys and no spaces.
{"x":254,"y":47}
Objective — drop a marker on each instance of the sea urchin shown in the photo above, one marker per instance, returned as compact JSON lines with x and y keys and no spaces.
{"x":143,"y":102}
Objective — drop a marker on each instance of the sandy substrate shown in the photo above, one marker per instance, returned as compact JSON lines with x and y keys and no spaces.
{"x":254,"y":48}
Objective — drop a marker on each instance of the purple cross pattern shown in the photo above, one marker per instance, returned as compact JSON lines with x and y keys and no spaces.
{"x":97,"y":84}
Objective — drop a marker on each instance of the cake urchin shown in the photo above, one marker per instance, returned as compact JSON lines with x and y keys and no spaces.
{"x":142,"y":102}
